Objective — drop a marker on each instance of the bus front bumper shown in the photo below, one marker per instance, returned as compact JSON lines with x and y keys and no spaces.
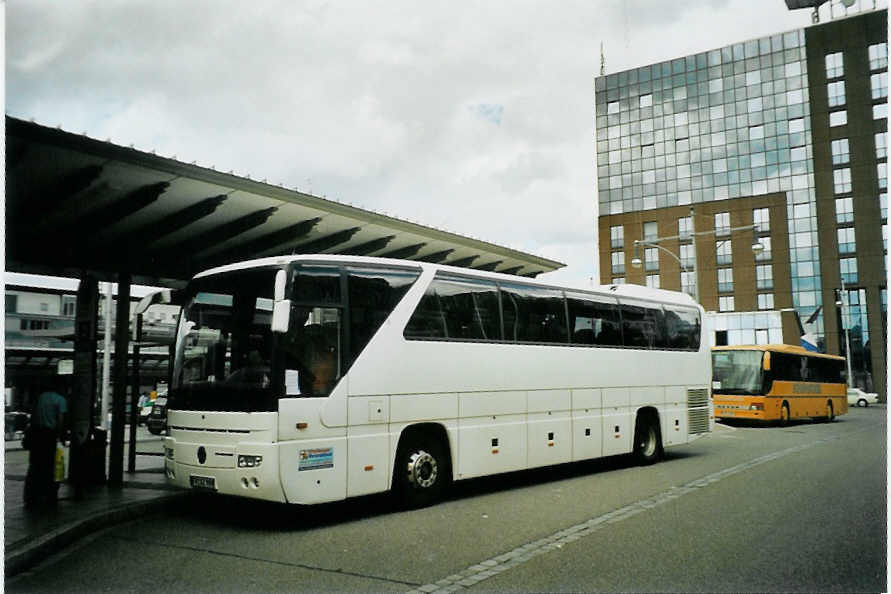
{"x":735,"y":411}
{"x":258,"y":481}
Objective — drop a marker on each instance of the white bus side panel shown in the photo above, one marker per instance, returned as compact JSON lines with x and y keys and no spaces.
{"x":491,"y":444}
{"x":314,"y":468}
{"x":549,"y":438}
{"x":587,"y":424}
{"x":423,"y":407}
{"x":549,"y":430}
{"x":674,"y":418}
{"x":368,"y":466}
{"x":617,"y":421}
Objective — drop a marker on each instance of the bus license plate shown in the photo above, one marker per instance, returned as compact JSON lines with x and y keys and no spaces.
{"x":207,"y":483}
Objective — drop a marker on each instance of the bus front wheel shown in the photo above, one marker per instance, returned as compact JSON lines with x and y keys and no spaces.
{"x":784,"y":414}
{"x":830,"y":413}
{"x":647,"y":439}
{"x":422,"y":472}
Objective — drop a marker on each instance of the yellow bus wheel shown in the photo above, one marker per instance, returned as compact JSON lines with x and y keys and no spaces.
{"x":830,"y":414}
{"x":784,"y":414}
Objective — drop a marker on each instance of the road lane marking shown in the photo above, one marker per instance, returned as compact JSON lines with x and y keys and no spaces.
{"x":491,"y":567}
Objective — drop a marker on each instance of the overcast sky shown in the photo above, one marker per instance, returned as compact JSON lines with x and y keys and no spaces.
{"x":474,"y":117}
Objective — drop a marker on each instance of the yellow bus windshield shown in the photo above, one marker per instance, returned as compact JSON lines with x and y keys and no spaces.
{"x":737,"y":372}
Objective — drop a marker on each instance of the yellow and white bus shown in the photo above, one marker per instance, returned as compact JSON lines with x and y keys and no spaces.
{"x":307,"y":379}
{"x":777,"y":382}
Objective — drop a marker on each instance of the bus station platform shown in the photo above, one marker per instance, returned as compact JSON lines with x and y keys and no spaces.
{"x":31,"y":534}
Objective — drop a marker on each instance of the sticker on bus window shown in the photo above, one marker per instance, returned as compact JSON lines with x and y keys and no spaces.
{"x":292,"y":382}
{"x":316,"y":459}
{"x":716,"y":385}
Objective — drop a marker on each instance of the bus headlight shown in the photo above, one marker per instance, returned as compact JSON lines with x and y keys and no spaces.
{"x":248,"y":461}
{"x":757,"y":406}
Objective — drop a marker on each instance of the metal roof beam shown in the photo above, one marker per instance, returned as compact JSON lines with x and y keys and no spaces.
{"x":463,"y":262}
{"x":75,"y":182}
{"x":174,"y":253}
{"x":265,"y":243}
{"x":155,"y":230}
{"x":511,"y":270}
{"x":55,"y":204}
{"x":436,"y":257}
{"x":326,"y":243}
{"x":491,"y":266}
{"x":375,"y":245}
{"x":121,"y":209}
{"x":405,"y":252}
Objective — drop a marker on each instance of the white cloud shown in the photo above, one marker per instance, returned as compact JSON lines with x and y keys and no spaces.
{"x":477,"y":118}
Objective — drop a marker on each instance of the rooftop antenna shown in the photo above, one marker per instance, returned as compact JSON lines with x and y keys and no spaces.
{"x":602,"y":61}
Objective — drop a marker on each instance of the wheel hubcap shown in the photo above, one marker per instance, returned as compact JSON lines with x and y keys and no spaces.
{"x":648,"y":443}
{"x":422,"y":469}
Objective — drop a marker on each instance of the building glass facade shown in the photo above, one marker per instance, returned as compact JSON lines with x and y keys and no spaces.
{"x":790,"y":114}
{"x":722,"y":124}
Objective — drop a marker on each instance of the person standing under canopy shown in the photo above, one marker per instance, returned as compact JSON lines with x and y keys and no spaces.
{"x":47,"y":429}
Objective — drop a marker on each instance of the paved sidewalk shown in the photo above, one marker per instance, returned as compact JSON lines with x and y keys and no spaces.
{"x":32,"y":534}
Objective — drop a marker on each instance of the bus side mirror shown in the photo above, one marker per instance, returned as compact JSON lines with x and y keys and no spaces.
{"x":281,"y":307}
{"x":281,"y":314}
{"x":766,"y":364}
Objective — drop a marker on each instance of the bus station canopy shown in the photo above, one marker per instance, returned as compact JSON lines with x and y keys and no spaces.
{"x":75,"y":204}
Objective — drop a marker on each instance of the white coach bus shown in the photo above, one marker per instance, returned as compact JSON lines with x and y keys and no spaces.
{"x":307,"y":379}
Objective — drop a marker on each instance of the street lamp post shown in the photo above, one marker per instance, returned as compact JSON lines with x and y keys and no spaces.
{"x":843,"y":302}
{"x":636,"y":261}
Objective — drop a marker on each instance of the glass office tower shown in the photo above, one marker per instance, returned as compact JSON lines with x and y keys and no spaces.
{"x":800,"y":115}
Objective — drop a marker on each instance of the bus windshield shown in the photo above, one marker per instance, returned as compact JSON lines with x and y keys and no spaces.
{"x":737,"y":372}
{"x":224,"y":346}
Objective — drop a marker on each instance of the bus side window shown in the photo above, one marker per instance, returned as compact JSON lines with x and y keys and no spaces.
{"x":534,"y":314}
{"x":470,"y":309}
{"x":427,"y":321}
{"x":681,"y":329}
{"x":637,"y":329}
{"x":373,"y":294}
{"x":593,"y":321}
{"x":456,"y":309}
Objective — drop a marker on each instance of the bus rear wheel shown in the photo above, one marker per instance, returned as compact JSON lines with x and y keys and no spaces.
{"x":647,"y":439}
{"x":784,"y":414}
{"x":830,"y":413}
{"x":422,"y":472}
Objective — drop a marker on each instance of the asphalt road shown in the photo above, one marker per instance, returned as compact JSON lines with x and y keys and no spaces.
{"x":801,"y":508}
